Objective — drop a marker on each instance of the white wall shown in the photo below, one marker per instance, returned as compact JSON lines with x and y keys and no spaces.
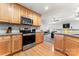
{"x":67,"y":15}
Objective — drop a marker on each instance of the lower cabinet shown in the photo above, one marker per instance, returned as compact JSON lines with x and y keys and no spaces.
{"x":71,"y":46}
{"x":58,"y":45}
{"x":10,"y":44}
{"x":5,"y":45}
{"x":16,"y":43}
{"x":39,"y":37}
{"x":67,"y":44}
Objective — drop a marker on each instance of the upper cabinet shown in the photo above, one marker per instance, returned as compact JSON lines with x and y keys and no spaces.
{"x":5,"y":12}
{"x":30,"y":14}
{"x":36,"y":19}
{"x":23,"y":11}
{"x":16,"y":14}
{"x":12,"y":12}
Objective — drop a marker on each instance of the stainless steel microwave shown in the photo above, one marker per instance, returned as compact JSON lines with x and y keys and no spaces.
{"x":26,"y":21}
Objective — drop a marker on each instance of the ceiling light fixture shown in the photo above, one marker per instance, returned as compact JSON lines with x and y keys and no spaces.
{"x":46,"y":8}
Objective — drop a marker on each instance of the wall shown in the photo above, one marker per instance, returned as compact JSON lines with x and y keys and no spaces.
{"x":67,"y":16}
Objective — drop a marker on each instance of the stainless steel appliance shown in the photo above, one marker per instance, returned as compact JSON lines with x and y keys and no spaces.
{"x":28,"y":38}
{"x":26,"y":21}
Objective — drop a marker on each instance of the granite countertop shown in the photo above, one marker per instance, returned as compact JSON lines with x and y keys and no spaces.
{"x":3,"y":34}
{"x":72,"y":35}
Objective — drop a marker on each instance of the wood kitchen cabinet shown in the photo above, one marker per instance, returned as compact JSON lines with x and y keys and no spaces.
{"x":38,"y":20}
{"x":35,"y":19}
{"x":5,"y":45}
{"x":22,"y":11}
{"x":16,"y":14}
{"x":12,"y":12}
{"x":58,"y":45}
{"x":16,"y":43}
{"x":30,"y":14}
{"x":71,"y":46}
{"x":5,"y":12}
{"x":39,"y":37}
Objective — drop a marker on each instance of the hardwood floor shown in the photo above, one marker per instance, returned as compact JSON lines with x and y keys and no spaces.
{"x":42,"y":49}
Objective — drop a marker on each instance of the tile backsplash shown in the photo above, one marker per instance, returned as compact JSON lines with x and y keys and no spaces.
{"x":4,"y":27}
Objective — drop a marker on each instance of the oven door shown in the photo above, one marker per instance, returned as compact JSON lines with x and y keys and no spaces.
{"x":28,"y":41}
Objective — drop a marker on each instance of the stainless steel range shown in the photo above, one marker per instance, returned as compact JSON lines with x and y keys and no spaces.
{"x":28,"y":38}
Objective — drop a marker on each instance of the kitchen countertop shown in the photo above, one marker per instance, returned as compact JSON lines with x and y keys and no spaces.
{"x":28,"y":34}
{"x":72,"y":35}
{"x":9,"y":34}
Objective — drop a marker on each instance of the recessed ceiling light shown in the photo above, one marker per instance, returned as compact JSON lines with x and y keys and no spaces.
{"x":46,"y":8}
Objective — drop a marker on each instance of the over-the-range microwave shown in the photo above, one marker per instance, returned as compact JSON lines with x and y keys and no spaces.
{"x":26,"y":21}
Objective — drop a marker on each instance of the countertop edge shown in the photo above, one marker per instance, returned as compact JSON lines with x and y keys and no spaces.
{"x":11,"y":34}
{"x":71,"y":35}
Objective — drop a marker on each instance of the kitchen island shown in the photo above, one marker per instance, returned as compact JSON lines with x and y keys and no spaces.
{"x":67,"y":43}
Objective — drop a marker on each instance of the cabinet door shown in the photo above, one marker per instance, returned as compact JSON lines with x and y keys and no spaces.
{"x":5,"y":45}
{"x":38,"y":20}
{"x":35,"y":19}
{"x":67,"y":46}
{"x":71,"y":47}
{"x":39,"y":37}
{"x":58,"y":42}
{"x":77,"y":47}
{"x":29,"y":14}
{"x":16,"y":14}
{"x":22,"y":11}
{"x":5,"y":12}
{"x":16,"y":43}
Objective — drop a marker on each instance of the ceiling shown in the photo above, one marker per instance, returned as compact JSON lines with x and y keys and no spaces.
{"x":40,"y":7}
{"x":55,"y":10}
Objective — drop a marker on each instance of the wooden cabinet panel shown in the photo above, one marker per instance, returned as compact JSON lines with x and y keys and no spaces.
{"x":16,"y":14}
{"x":58,"y":42}
{"x":26,"y":13}
{"x":67,"y":46}
{"x":71,"y":46}
{"x":5,"y":12}
{"x":38,"y":20}
{"x":39,"y":37}
{"x":30,"y":14}
{"x":5,"y":45}
{"x":22,"y":11}
{"x":16,"y":43}
{"x":12,"y":12}
{"x":35,"y":19}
